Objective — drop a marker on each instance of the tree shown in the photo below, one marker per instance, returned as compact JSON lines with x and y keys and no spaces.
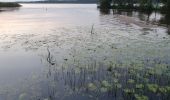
{"x":105,"y":4}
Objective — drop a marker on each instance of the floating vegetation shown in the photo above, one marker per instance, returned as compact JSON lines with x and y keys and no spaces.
{"x":139,"y":86}
{"x":141,"y":97}
{"x":92,"y":67}
{"x":92,"y":87}
{"x":129,"y":91}
{"x":23,"y":96}
{"x":131,"y":81}
{"x":152,"y":87}
{"x":117,"y":85}
{"x":105,"y":84}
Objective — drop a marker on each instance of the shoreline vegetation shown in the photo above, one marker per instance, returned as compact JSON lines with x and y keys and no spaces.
{"x":9,"y":4}
{"x":141,"y":5}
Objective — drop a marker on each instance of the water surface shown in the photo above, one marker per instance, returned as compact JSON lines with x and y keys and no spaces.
{"x":75,"y":51}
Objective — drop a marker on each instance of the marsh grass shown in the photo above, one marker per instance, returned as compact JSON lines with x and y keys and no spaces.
{"x":135,"y":81}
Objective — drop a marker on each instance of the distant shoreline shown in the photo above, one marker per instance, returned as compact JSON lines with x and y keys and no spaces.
{"x":61,"y":2}
{"x":9,"y":4}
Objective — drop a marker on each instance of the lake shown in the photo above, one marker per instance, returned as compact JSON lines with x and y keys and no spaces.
{"x":76,"y":51}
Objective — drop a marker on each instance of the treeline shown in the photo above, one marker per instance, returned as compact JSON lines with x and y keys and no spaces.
{"x":66,"y":1}
{"x":9,"y":4}
{"x":135,"y":4}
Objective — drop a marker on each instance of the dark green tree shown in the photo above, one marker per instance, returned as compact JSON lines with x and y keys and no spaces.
{"x":105,"y":4}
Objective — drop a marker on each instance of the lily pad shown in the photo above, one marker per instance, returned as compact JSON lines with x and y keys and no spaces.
{"x":92,"y":87}
{"x":106,"y":84}
{"x":152,"y":87}
{"x":129,"y":91}
{"x":139,"y":86}
{"x":131,"y":81}
{"x":141,"y":97}
{"x":23,"y":96}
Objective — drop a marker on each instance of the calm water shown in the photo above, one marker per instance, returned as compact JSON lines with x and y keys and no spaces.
{"x":74,"y":51}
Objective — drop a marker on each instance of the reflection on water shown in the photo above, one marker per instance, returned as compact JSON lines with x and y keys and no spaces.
{"x":166,"y":21}
{"x":65,"y":52}
{"x":9,"y":9}
{"x":97,"y":80}
{"x":156,"y":18}
{"x":105,"y":11}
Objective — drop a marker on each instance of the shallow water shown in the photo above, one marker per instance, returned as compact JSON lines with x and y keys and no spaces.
{"x":74,"y":51}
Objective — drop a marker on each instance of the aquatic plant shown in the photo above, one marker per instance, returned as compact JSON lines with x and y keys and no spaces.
{"x":139,"y":86}
{"x":92,"y":28}
{"x":103,"y":89}
{"x":117,"y":85}
{"x":106,"y":84}
{"x":162,"y":90}
{"x":146,"y":80}
{"x":116,"y":74}
{"x":23,"y":96}
{"x":110,"y":68}
{"x":131,"y":81}
{"x":92,"y":87}
{"x":152,"y":87}
{"x":115,"y":80}
{"x":141,"y":97}
{"x":129,"y":91}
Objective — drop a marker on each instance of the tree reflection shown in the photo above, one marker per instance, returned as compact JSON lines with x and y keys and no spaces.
{"x":165,"y":20}
{"x":104,"y":11}
{"x":9,"y":9}
{"x":146,"y":16}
